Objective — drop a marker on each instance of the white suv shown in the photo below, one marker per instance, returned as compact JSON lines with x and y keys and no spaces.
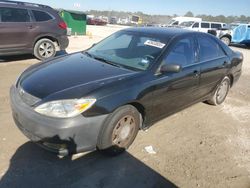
{"x":203,"y":26}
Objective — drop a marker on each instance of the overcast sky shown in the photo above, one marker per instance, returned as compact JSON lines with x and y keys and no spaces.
{"x":165,"y":7}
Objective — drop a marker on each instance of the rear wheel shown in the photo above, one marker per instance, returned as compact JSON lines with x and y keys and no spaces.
{"x":119,"y":130}
{"x":221,"y":92}
{"x":226,"y":40}
{"x":44,"y":49}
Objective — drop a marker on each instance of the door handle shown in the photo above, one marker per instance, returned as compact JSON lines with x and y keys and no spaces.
{"x":196,"y":73}
{"x":30,"y":26}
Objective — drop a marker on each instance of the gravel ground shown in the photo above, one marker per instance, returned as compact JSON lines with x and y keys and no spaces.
{"x":202,"y":146}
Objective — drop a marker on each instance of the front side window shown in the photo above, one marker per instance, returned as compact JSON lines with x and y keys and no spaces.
{"x":41,"y":16}
{"x":209,"y":49}
{"x":14,"y":15}
{"x":131,"y":50}
{"x":183,"y":53}
{"x":187,"y":24}
{"x":196,"y":25}
{"x":175,"y":23}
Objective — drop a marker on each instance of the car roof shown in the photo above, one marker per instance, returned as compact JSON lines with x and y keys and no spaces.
{"x":212,"y":22}
{"x":160,"y":31}
{"x":20,"y":4}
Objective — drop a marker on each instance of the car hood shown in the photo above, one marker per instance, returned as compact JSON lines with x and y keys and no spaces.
{"x":69,"y":72}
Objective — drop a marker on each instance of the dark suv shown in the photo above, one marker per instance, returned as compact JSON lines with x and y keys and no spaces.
{"x":31,"y":28}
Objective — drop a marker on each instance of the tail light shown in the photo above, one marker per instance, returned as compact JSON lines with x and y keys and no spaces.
{"x":62,"y":25}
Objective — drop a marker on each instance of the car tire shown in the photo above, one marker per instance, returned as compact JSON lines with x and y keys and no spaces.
{"x":226,"y":40}
{"x":119,"y":131}
{"x":221,"y":92}
{"x":44,"y":49}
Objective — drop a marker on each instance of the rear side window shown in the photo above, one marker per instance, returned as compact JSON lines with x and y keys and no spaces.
{"x":215,"y":25}
{"x":14,"y":15}
{"x":209,"y":49}
{"x":204,"y":25}
{"x":182,"y":53}
{"x":41,"y":16}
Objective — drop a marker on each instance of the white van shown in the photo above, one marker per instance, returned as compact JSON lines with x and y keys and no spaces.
{"x":202,"y":26}
{"x":179,"y":20}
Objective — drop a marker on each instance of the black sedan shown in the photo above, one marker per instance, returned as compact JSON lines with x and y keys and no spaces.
{"x":101,"y":97}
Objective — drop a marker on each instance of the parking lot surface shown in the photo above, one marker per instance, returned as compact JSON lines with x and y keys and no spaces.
{"x":201,"y":146}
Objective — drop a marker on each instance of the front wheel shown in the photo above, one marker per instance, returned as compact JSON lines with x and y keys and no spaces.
{"x":226,"y":40}
{"x":221,"y":92}
{"x":119,"y":130}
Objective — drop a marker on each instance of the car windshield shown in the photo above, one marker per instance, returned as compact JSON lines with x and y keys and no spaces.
{"x":187,"y":24}
{"x":130,"y":50}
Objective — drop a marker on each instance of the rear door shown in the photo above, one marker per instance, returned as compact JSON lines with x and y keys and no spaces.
{"x":14,"y":29}
{"x":174,"y":91}
{"x":44,"y":24}
{"x":214,"y":64}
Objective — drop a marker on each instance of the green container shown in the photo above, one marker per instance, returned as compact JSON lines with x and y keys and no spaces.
{"x":75,"y":20}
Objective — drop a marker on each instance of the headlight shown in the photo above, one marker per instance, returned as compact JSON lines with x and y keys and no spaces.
{"x":65,"y":108}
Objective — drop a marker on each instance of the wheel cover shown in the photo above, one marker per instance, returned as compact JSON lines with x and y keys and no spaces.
{"x":222,"y":91}
{"x":124,"y":131}
{"x":46,"y":49}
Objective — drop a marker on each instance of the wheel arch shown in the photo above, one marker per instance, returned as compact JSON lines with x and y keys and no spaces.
{"x":52,"y":38}
{"x":141,"y":110}
{"x":226,"y":35}
{"x":231,"y":77}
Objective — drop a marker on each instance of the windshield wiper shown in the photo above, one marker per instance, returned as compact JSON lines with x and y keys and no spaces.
{"x":101,"y":59}
{"x":88,"y":54}
{"x":106,"y":61}
{"x":109,"y":62}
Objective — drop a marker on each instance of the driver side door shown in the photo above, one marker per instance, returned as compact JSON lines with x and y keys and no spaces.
{"x":175,"y":91}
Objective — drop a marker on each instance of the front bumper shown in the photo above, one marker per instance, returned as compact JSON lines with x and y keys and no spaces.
{"x":61,"y":135}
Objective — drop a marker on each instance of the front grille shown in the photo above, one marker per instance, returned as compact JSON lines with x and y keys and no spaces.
{"x":27,"y":98}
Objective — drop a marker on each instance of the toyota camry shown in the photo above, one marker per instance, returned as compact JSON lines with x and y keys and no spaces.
{"x":101,"y":97}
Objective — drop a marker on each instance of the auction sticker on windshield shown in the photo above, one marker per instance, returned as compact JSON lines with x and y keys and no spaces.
{"x":154,"y":44}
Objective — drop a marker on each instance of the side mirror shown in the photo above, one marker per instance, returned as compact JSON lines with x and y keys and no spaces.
{"x":170,"y":68}
{"x":93,"y":45}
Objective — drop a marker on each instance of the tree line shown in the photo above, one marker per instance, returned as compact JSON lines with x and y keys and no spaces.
{"x":221,"y":18}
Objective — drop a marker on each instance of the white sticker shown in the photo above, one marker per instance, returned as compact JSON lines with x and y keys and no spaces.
{"x":144,"y":61}
{"x":154,"y":44}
